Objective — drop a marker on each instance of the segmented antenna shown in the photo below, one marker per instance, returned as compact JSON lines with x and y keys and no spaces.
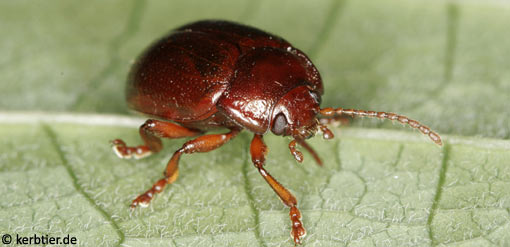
{"x":331,"y":112}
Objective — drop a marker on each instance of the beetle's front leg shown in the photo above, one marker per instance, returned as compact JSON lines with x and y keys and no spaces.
{"x":258,"y":152}
{"x":338,"y":120}
{"x":151,"y":132}
{"x":200,"y":144}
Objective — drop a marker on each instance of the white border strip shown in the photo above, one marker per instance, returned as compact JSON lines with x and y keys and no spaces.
{"x":416,"y":136}
{"x":73,"y":118}
{"x":135,"y":122}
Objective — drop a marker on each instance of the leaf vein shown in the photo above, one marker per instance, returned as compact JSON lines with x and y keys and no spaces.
{"x":334,"y":11}
{"x":54,"y":142}
{"x":131,"y":28}
{"x":439,"y":189}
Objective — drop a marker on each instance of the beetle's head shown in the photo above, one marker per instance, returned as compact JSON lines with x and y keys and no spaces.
{"x":295,"y":114}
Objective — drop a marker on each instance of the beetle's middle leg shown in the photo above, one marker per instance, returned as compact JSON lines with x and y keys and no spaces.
{"x":258,"y":152}
{"x":151,"y":132}
{"x":200,"y":144}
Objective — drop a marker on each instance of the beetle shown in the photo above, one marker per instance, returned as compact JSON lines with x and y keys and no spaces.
{"x":219,"y":74}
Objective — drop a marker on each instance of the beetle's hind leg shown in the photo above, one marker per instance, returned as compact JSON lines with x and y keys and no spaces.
{"x":200,"y":144}
{"x":151,"y":132}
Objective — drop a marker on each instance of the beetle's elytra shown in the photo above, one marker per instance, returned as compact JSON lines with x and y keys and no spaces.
{"x":219,"y":74}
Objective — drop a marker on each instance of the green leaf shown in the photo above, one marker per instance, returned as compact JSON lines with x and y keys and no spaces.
{"x":443,"y":63}
{"x":377,"y":187}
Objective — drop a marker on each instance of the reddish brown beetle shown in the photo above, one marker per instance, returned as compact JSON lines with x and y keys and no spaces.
{"x":219,"y":74}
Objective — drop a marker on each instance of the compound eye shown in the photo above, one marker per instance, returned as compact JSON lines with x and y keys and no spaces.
{"x":316,"y":97}
{"x":280,"y":124}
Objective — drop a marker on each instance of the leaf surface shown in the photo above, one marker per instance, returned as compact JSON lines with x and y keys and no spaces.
{"x":443,"y":63}
{"x":377,"y":187}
